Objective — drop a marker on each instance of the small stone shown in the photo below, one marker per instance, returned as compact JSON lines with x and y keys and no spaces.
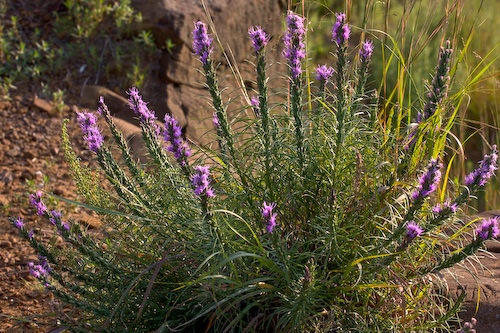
{"x":28,"y":154}
{"x":6,"y":176}
{"x":4,"y":201}
{"x":27,"y":174}
{"x":6,"y":244}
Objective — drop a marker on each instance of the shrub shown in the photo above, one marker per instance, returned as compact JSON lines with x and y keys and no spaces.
{"x":314,"y":215}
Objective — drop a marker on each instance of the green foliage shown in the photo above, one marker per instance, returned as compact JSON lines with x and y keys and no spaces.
{"x":75,"y":46}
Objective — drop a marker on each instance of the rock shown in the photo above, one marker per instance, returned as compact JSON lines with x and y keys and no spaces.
{"x":6,"y":176}
{"x":118,"y":105}
{"x":92,"y":222}
{"x":178,"y":89}
{"x":174,"y":20}
{"x":28,"y":154}
{"x":5,"y":244}
{"x":27,"y":174}
{"x":133,"y":136}
{"x":4,"y":201}
{"x":48,"y":107}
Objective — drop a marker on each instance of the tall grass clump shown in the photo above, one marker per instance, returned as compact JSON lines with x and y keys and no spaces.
{"x":314,"y":215}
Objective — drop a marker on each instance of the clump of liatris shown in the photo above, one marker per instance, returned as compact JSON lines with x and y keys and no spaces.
{"x":92,"y":134}
{"x":19,"y":223}
{"x":366,"y":50}
{"x":269,"y":216}
{"x":323,"y":73}
{"x":201,"y":182}
{"x":487,"y":167}
{"x":365,"y":55}
{"x":413,"y":230}
{"x":439,"y":87}
{"x":254,"y":102}
{"x":340,"y":30}
{"x":39,"y":270}
{"x":445,"y":208}
{"x":488,"y":229}
{"x":173,"y":135}
{"x":294,"y":50}
{"x":259,"y":38}
{"x":202,"y":42}
{"x":140,"y":107}
{"x":429,"y":181}
{"x":37,"y":202}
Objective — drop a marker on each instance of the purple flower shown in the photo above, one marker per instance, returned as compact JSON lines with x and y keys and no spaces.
{"x":254,"y":101}
{"x":92,"y":134}
{"x":487,"y":167}
{"x":173,"y":135}
{"x":202,"y":42}
{"x":86,"y":120}
{"x":429,"y":181}
{"x":269,"y":216}
{"x":215,"y":120}
{"x":323,"y":73}
{"x":488,"y":229}
{"x":65,"y":225}
{"x":340,"y":30}
{"x":39,"y":270}
{"x":294,"y":46}
{"x":30,"y":234}
{"x":140,"y":107}
{"x":200,"y":181}
{"x":19,"y":223}
{"x":36,"y":201}
{"x":259,"y":38}
{"x":413,"y":230}
{"x":410,"y":141}
{"x":445,"y":207}
{"x":366,"y":50}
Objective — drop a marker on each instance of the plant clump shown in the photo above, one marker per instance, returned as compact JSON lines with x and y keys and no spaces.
{"x":319,"y":218}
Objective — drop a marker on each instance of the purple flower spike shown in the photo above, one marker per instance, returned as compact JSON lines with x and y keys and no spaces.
{"x":140,"y":107}
{"x":36,"y":201}
{"x":19,"y":223}
{"x":92,"y":134}
{"x":413,"y":230}
{"x":366,"y":51}
{"x":340,"y":30}
{"x":429,"y":181}
{"x":445,"y":207}
{"x":488,"y":229}
{"x":487,"y":167}
{"x":294,"y":46}
{"x":173,"y":135}
{"x":269,"y":216}
{"x":202,"y":42}
{"x":259,"y":38}
{"x":323,"y":73}
{"x":201,"y":182}
{"x":254,"y":101}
